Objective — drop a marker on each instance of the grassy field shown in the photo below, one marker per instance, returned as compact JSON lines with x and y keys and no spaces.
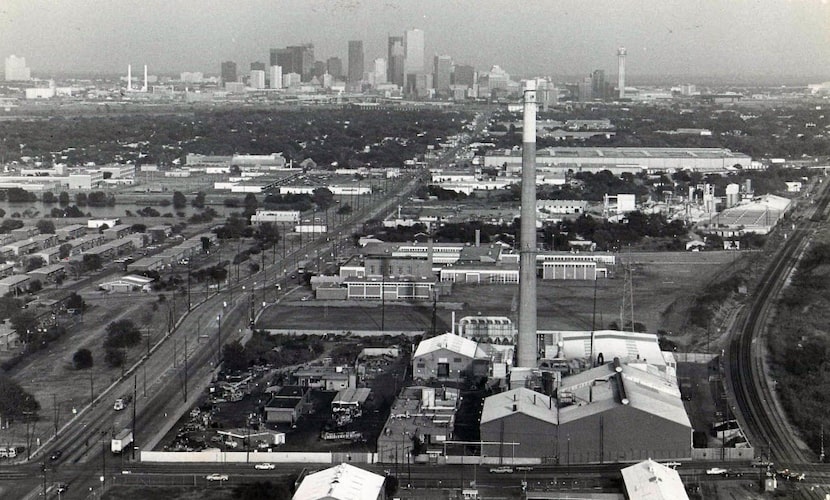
{"x":664,"y":287}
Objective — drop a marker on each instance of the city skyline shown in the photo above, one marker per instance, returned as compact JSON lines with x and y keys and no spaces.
{"x":719,"y":38}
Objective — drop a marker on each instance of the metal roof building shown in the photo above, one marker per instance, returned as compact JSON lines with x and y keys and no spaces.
{"x":649,"y":480}
{"x":342,"y":482}
{"x":591,"y":420}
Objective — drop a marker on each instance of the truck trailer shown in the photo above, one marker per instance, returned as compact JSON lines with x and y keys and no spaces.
{"x":122,"y":441}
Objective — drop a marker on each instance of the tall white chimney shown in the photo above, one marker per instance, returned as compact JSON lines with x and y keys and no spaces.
{"x":527,"y":349}
{"x":129,"y":78}
{"x":621,"y":71}
{"x":145,"y":79}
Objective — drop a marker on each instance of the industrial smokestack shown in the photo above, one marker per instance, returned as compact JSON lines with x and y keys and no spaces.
{"x":621,"y":71}
{"x":145,"y":79}
{"x":129,"y":78}
{"x":526,"y":352}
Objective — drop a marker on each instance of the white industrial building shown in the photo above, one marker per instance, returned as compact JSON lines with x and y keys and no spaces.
{"x":650,"y":480}
{"x":341,"y":482}
{"x":644,"y":159}
{"x":448,"y":357}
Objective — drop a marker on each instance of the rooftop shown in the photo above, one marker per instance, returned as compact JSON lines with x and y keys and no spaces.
{"x":649,"y":480}
{"x":342,"y":482}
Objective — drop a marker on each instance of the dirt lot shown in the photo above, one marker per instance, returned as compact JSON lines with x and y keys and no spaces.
{"x":664,"y":286}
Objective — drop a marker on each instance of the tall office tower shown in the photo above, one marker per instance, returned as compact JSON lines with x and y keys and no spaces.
{"x":228,"y":72}
{"x":394,"y":61}
{"x":621,"y":71}
{"x":598,"y":84}
{"x":380,"y":70}
{"x":413,"y":45}
{"x":585,"y":89}
{"x":257,"y":79}
{"x":355,"y":61}
{"x":463,"y":75}
{"x":442,"y":74}
{"x":275,"y":77}
{"x":527,"y":348}
{"x":295,"y":59}
{"x":258,"y":66}
{"x":16,"y":69}
{"x":318,"y":69}
{"x":334,"y":66}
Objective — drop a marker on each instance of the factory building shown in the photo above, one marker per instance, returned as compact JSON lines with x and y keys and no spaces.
{"x":588,"y":159}
{"x":592,"y":419}
{"x":341,"y":482}
{"x":448,"y":358}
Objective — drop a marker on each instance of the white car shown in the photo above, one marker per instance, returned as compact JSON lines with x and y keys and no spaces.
{"x":264,"y":466}
{"x":716,"y":471}
{"x":217,"y":477}
{"x":502,"y":470}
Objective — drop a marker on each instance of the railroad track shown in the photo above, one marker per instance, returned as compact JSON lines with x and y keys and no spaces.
{"x":764,"y":422}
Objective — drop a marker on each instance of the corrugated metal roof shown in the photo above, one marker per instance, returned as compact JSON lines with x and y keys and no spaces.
{"x":450,"y":342}
{"x":649,"y":480}
{"x":342,"y":482}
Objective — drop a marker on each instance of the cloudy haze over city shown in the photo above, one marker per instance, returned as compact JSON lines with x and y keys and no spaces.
{"x":722,"y":38}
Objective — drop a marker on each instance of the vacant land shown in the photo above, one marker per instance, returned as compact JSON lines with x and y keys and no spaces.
{"x":664,"y":287}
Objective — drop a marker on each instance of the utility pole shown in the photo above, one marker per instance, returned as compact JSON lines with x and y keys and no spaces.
{"x":185,"y":369}
{"x":135,"y":403}
{"x":218,"y":339}
{"x":55,"y":411}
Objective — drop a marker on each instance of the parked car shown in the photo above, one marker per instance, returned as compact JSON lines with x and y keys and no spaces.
{"x":216,"y":477}
{"x":264,"y":466}
{"x":56,"y":455}
{"x":716,"y":471}
{"x":524,"y":468}
{"x":502,"y":470}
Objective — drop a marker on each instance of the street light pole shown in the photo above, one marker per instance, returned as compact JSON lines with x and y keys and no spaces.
{"x":218,"y":339}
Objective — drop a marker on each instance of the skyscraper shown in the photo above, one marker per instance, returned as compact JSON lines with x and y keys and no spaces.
{"x":464,"y":75}
{"x":16,"y":69}
{"x":276,"y":77}
{"x":295,"y":59}
{"x":598,"y":84}
{"x":380,"y":71}
{"x":258,"y":66}
{"x":257,"y":79}
{"x":334,"y":65}
{"x":395,"y":61}
{"x":621,"y":72}
{"x":228,"y":72}
{"x":413,"y":44}
{"x":442,"y":74}
{"x":355,"y":61}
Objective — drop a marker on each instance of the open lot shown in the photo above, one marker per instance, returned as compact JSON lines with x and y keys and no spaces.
{"x":664,"y":287}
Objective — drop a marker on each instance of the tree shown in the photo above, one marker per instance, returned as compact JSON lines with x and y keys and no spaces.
{"x":64,"y":251}
{"x":34,"y":262}
{"x":179,"y":200}
{"x":199,"y":200}
{"x":82,"y":359}
{"x":45,"y":226}
{"x":49,"y":197}
{"x":14,"y":401}
{"x":92,"y":262}
{"x":115,"y":357}
{"x":35,"y":286}
{"x":80,"y":199}
{"x":138,"y":228}
{"x":63,"y":198}
{"x":24,"y":323}
{"x":122,"y":333}
{"x":75,"y":301}
{"x":9,"y":306}
{"x":234,"y":356}
{"x":205,"y":244}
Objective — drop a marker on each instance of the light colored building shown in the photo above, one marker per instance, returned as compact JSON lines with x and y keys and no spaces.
{"x":407,"y":288}
{"x":275,"y":77}
{"x":16,"y":69}
{"x":129,"y":283}
{"x":413,"y":45}
{"x":342,"y":482}
{"x":85,"y":181}
{"x":15,"y":284}
{"x":650,"y":480}
{"x":589,"y":159}
{"x":257,"y":79}
{"x":448,"y":357}
{"x":275,"y":216}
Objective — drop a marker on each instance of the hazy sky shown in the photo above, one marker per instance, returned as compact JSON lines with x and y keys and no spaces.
{"x":526,"y":37}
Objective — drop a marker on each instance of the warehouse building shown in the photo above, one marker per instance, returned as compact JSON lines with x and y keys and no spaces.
{"x":619,"y":160}
{"x":342,"y":482}
{"x":448,"y":358}
{"x":591,"y":420}
{"x":649,"y":480}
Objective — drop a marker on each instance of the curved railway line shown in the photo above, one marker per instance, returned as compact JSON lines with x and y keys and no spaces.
{"x":763,"y":420}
